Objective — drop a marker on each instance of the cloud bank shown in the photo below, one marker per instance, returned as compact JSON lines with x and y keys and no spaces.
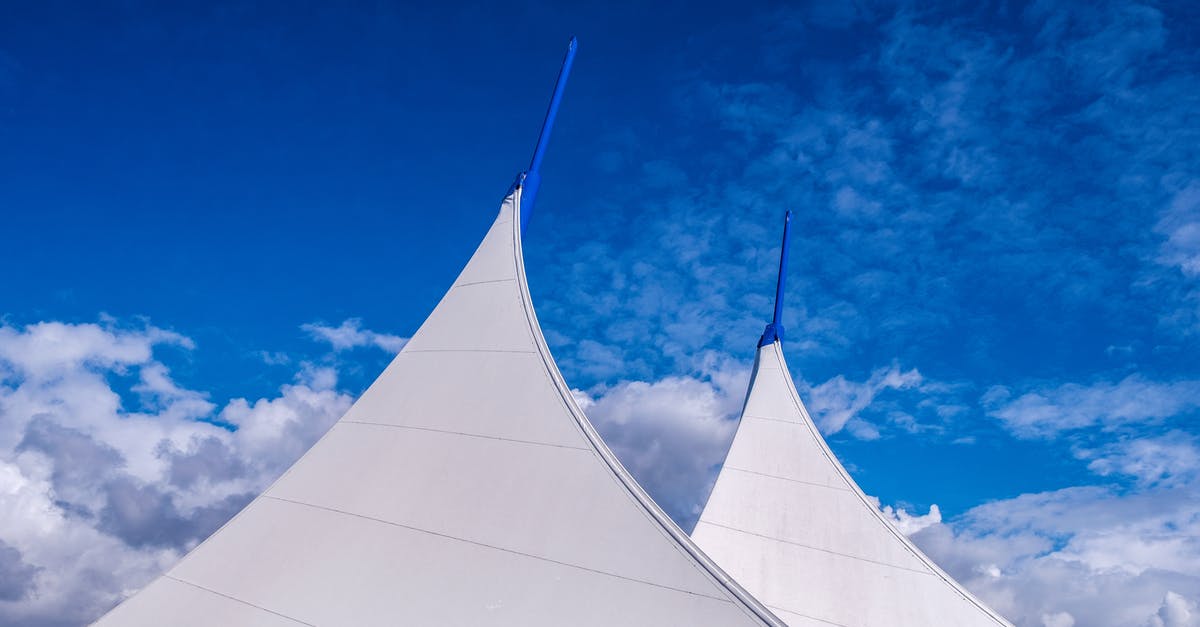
{"x":110,"y":470}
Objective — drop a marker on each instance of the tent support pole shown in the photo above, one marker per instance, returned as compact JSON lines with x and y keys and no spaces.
{"x":532,"y":180}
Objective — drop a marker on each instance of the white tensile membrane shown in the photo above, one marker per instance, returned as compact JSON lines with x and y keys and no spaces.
{"x":789,"y":524}
{"x":465,"y":487}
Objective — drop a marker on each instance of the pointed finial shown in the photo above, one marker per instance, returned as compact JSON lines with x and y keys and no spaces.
{"x":774,"y":330}
{"x":532,"y":179}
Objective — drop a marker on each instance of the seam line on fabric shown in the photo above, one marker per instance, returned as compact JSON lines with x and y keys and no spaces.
{"x":491,"y":546}
{"x":819,"y":620}
{"x":815,"y":548}
{"x":468,"y":284}
{"x":763,"y":474}
{"x":237,"y":600}
{"x":790,"y":422}
{"x":465,"y":434}
{"x":931,"y":565}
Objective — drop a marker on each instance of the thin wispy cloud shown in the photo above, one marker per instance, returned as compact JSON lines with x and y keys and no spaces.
{"x":350,"y":334}
{"x":1071,"y":407}
{"x":1172,"y":458}
{"x":837,"y":403}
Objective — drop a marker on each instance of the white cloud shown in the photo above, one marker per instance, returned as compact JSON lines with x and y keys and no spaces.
{"x":598,"y":360}
{"x":671,"y":434}
{"x":907,"y":523}
{"x":99,"y":491}
{"x":1049,"y":412}
{"x":850,"y":202}
{"x":1103,"y":557}
{"x":1168,"y":459}
{"x":16,"y":576}
{"x":1180,"y":225}
{"x":48,"y":349}
{"x":87,"y":482}
{"x":1058,"y":619}
{"x":350,"y":334}
{"x":1176,"y":611}
{"x":836,"y":403}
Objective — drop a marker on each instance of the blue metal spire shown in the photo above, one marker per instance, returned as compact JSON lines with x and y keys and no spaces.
{"x":532,"y":179}
{"x":774,"y":330}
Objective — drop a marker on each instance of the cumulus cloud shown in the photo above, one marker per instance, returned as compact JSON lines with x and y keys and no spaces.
{"x":48,"y":349}
{"x":908,"y":523}
{"x":80,"y":494}
{"x":350,"y":334}
{"x":110,"y":469}
{"x":1120,"y":553}
{"x":1176,"y":611}
{"x":1094,"y":555}
{"x":1058,"y":619}
{"x":94,"y":472}
{"x":672,"y":434}
{"x":16,"y":576}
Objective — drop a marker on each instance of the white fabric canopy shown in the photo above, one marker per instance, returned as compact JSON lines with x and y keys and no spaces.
{"x":789,"y":524}
{"x":465,"y":487}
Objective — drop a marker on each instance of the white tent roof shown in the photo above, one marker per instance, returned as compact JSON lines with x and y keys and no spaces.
{"x":465,"y":487}
{"x":787,"y":522}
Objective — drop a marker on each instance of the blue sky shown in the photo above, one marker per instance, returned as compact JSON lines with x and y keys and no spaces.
{"x":234,"y":214}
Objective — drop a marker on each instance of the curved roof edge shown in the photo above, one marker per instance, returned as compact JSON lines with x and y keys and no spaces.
{"x":750,"y":603}
{"x":866,"y":501}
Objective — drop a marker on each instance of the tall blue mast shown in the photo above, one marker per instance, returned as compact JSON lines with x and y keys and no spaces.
{"x":532,"y":179}
{"x":774,"y":330}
